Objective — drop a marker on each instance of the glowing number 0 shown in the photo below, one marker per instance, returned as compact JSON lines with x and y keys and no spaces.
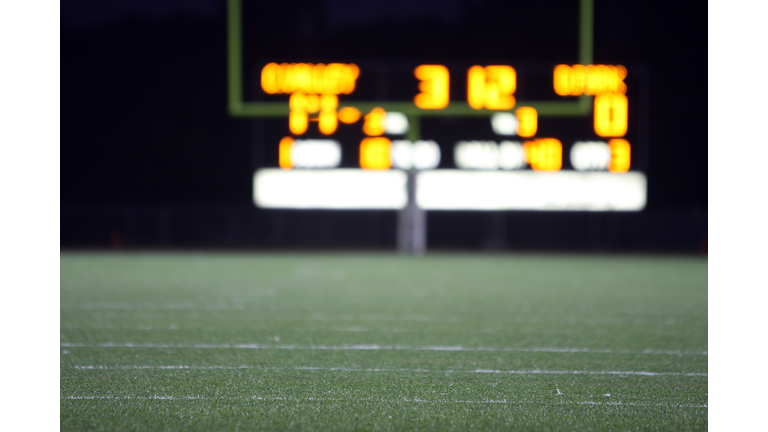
{"x":611,"y":115}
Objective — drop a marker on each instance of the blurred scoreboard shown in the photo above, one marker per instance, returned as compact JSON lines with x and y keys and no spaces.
{"x":444,"y":135}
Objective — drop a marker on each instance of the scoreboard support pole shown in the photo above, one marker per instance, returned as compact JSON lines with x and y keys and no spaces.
{"x":412,"y":220}
{"x":412,"y":223}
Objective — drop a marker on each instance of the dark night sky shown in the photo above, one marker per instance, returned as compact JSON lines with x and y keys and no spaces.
{"x":143,"y":83}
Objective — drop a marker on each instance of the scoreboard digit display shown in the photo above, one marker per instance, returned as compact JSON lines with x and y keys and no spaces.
{"x":416,"y":136}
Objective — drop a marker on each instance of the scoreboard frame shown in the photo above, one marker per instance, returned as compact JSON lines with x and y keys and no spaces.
{"x":245,"y":109}
{"x":411,"y":232}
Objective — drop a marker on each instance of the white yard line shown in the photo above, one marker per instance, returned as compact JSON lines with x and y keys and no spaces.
{"x":327,"y":369}
{"x":484,"y":401}
{"x":637,"y":404}
{"x":300,"y":316}
{"x":577,"y":372}
{"x":372,"y":347}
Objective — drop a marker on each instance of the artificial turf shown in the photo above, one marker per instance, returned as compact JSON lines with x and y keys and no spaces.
{"x":241,"y":341}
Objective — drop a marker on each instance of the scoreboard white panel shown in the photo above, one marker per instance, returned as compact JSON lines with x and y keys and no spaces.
{"x":335,"y":189}
{"x":449,"y":189}
{"x":530,"y":190}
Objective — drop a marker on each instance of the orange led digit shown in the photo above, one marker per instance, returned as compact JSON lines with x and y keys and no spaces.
{"x":577,"y":80}
{"x":269,"y":78}
{"x":284,"y":154}
{"x":527,"y":121}
{"x":302,"y":77}
{"x":327,"y":121}
{"x":298,"y":101}
{"x":491,"y":87}
{"x":589,"y":80}
{"x":349,"y":115}
{"x":544,"y":154}
{"x":476,"y":87}
{"x":332,"y":81}
{"x":347,"y":76}
{"x":502,"y":82}
{"x":621,"y":73}
{"x":620,"y":155}
{"x":312,"y":103}
{"x":434,"y":87}
{"x":328,"y":102}
{"x":611,"y":115}
{"x":562,"y":80}
{"x":375,"y":153}
{"x":374,"y":122}
{"x":604,"y":79}
{"x":298,"y":119}
{"x":594,"y":80}
{"x":333,"y":78}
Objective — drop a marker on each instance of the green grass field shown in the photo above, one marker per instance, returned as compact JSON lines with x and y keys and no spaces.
{"x":229,"y":342}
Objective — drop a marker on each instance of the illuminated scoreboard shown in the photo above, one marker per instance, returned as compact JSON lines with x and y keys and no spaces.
{"x":444,"y":135}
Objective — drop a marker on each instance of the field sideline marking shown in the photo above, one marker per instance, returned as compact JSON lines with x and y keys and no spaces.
{"x":485,"y":401}
{"x":370,"y":347}
{"x":343,"y":369}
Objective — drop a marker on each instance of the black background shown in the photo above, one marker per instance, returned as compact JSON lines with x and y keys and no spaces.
{"x":144,"y":117}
